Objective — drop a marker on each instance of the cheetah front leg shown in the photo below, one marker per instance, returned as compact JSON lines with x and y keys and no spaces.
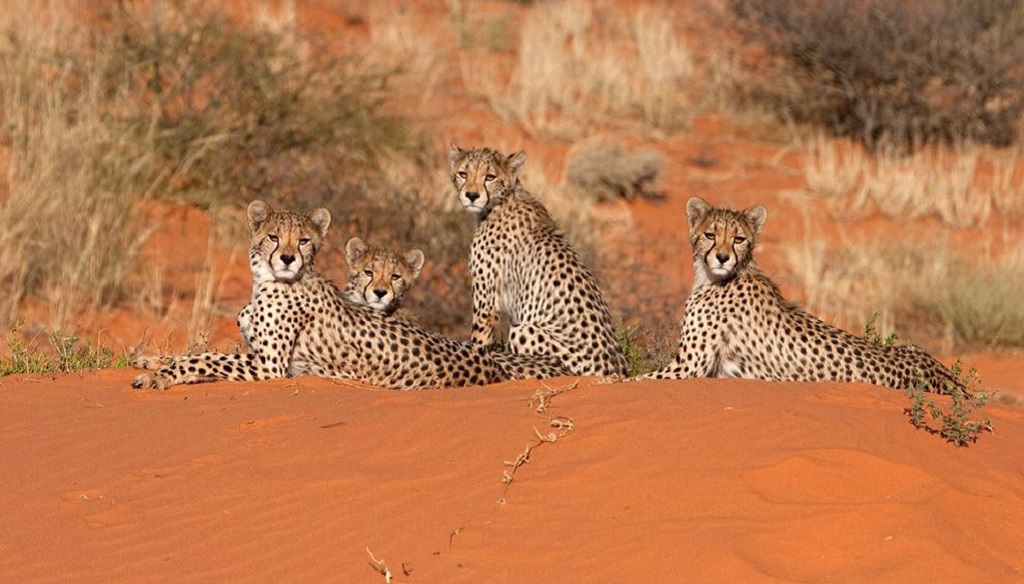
{"x":179,"y":369}
{"x":698,"y":353}
{"x":273,"y":339}
{"x":485,"y":313}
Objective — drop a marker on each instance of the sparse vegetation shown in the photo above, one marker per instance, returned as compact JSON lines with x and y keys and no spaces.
{"x":889,"y":71}
{"x":955,"y":424}
{"x":873,"y":336}
{"x":64,"y":354}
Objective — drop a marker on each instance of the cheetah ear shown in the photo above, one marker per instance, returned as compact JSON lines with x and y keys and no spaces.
{"x":354,"y":250}
{"x":696,"y":208}
{"x":455,"y":155}
{"x":756,"y":215}
{"x":414,"y":259}
{"x":258,"y":212}
{"x":515,"y":162}
{"x":322,"y":219}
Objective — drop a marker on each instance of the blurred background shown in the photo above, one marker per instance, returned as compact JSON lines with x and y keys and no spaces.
{"x":882,"y":135}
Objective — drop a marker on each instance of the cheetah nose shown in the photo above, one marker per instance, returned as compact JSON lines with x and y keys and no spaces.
{"x":472,"y":196}
{"x":379,"y":293}
{"x":287,"y":258}
{"x":722,"y":257}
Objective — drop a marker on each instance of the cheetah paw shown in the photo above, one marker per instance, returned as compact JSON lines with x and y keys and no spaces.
{"x":149,"y":381}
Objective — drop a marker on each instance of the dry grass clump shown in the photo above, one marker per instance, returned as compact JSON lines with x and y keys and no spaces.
{"x":581,"y":63}
{"x":924,"y":292}
{"x":602,"y":170}
{"x":73,"y":170}
{"x":891,"y":71}
{"x":962,"y":186}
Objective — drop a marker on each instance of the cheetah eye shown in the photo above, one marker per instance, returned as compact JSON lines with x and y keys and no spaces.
{"x":739,"y":239}
{"x":272,"y":237}
{"x":463,"y":174}
{"x":489,"y":178}
{"x":304,"y":241}
{"x":710,"y":235}
{"x":369,"y":273}
{"x":396,"y":276}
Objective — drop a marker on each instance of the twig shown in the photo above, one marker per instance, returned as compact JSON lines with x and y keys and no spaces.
{"x":380,"y":566}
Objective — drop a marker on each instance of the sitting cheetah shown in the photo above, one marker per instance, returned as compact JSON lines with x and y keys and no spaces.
{"x":379,"y":277}
{"x":737,"y":324}
{"x":301,"y":324}
{"x":524,"y":268}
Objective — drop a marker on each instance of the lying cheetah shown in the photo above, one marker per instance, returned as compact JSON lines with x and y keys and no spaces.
{"x":737,"y":324}
{"x":378,"y":276}
{"x":524,"y":268}
{"x":301,"y":324}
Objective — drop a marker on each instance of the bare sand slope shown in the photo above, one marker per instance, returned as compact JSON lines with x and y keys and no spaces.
{"x":696,"y":481}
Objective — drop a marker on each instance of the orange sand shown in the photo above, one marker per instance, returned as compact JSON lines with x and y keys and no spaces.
{"x":693,"y":481}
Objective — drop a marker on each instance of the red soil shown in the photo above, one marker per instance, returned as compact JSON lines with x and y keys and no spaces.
{"x":695,"y":481}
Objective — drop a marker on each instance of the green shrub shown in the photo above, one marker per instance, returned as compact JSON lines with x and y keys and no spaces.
{"x":955,"y":424}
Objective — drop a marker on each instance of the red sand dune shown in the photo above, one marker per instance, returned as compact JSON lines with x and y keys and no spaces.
{"x":693,"y":481}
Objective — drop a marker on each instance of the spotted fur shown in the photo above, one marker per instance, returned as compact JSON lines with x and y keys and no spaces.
{"x":301,"y":324}
{"x":525,"y":270}
{"x":737,"y":324}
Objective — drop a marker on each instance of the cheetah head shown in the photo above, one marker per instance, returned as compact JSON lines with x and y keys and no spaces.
{"x":283,"y":243}
{"x":483,"y":177}
{"x":379,"y":277}
{"x":723,"y":240}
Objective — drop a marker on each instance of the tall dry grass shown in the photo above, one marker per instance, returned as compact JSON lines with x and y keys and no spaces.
{"x":580,"y":63}
{"x":72,"y":172}
{"x":923,"y":290}
{"x":963,"y":186}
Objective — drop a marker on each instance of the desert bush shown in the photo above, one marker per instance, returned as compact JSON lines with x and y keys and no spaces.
{"x":602,"y":170}
{"x":956,"y":422}
{"x":932,"y":70}
{"x":237,"y":112}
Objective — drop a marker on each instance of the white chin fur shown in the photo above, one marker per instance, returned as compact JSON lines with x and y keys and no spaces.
{"x":285,"y":275}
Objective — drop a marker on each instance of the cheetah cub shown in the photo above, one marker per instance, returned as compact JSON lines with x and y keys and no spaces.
{"x":379,"y":277}
{"x":737,"y":324}
{"x":301,"y":324}
{"x":524,"y":269}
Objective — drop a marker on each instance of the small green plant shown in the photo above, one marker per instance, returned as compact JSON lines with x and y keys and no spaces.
{"x":67,"y":353}
{"x":955,"y":424}
{"x":873,"y":336}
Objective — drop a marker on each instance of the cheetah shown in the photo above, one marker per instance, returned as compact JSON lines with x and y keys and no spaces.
{"x":523,"y":268}
{"x":737,"y":324}
{"x":379,"y":277}
{"x":302,"y":324}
